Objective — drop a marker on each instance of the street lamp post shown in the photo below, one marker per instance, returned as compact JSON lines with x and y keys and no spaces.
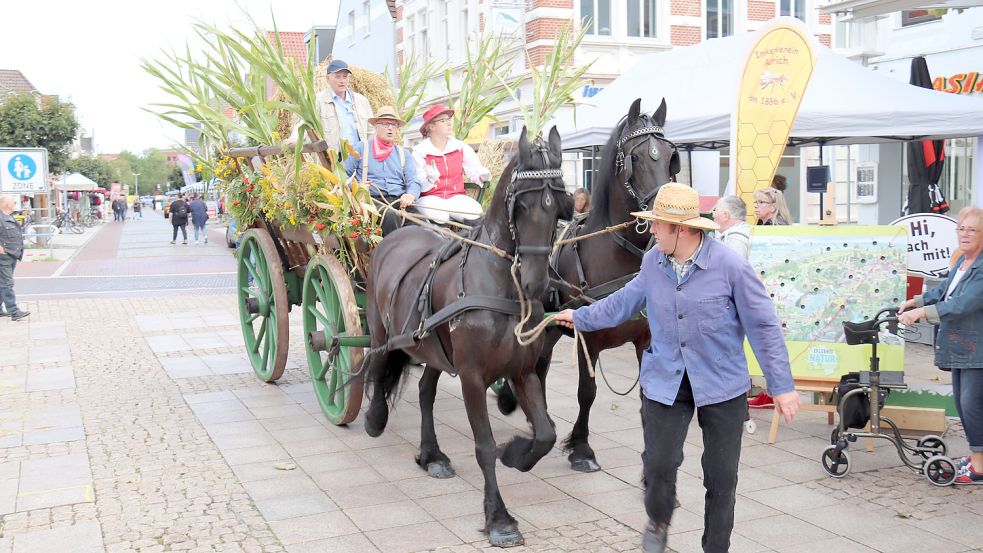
{"x":136,"y":185}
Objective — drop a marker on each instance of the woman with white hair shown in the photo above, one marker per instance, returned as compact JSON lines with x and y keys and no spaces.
{"x":730,"y":213}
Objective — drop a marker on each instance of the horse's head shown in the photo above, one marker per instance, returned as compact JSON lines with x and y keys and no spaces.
{"x":644,"y":158}
{"x":536,"y":198}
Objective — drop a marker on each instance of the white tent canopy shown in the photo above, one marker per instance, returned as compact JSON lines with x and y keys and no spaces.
{"x":74,"y":182}
{"x":845,"y":103}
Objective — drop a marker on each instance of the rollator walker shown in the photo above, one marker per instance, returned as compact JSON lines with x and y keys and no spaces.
{"x":861,"y":398}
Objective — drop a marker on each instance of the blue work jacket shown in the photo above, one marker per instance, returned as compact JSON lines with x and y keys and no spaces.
{"x":394,"y":175}
{"x":698,"y":326}
{"x":960,"y":318}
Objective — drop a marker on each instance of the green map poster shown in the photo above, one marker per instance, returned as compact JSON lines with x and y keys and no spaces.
{"x":820,"y":277}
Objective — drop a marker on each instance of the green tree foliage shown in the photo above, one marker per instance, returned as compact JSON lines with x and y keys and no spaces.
{"x":52,"y":126}
{"x":175,"y":180}
{"x":97,"y":169}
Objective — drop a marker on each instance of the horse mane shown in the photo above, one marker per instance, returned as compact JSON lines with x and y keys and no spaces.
{"x":604,"y":177}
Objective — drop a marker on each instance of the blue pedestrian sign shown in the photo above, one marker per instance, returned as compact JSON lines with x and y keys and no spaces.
{"x":23,"y":170}
{"x":22,"y":167}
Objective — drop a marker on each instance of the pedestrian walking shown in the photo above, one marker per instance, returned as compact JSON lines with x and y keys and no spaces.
{"x":137,"y":208}
{"x":11,"y":251}
{"x":701,"y":299}
{"x":199,"y":216}
{"x":117,"y":210}
{"x":179,"y":218}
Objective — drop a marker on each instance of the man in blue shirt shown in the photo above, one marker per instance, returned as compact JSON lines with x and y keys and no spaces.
{"x":344,"y":113}
{"x":392,"y":175}
{"x":701,"y":299}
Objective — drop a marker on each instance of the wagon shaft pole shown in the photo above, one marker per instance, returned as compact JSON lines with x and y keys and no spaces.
{"x":313,"y":147}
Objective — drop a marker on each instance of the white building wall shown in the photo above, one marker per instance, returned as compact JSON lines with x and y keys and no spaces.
{"x":365,"y":35}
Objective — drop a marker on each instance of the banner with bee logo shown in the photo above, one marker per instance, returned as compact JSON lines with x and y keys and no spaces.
{"x":775,"y":77}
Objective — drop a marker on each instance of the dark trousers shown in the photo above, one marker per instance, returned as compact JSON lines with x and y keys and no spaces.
{"x":665,"y":430}
{"x":184,"y":231}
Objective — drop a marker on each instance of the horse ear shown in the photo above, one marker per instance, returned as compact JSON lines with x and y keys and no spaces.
{"x":555,"y":147}
{"x":660,"y":114}
{"x":635,"y":110}
{"x":523,"y":148}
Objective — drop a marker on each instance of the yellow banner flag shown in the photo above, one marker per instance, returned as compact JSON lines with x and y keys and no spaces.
{"x":775,"y":78}
{"x":479,"y":131}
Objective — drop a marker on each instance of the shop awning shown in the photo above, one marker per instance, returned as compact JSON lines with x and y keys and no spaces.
{"x":845,"y":103}
{"x":859,"y":9}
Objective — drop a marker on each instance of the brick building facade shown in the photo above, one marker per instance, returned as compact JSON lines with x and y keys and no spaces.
{"x":619,"y":31}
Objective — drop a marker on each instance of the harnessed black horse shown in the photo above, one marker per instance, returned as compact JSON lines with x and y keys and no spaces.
{"x":471,"y":332}
{"x":591,"y":269}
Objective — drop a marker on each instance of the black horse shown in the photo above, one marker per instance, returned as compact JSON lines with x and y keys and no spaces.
{"x":478,"y":344}
{"x":636,"y":161}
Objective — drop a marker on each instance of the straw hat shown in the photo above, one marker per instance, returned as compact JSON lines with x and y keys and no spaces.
{"x":386,"y":113}
{"x":677,"y":204}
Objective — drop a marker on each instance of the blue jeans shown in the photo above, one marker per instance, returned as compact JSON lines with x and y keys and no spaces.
{"x":203,"y":233}
{"x":7,"y":298}
{"x":664,"y":428}
{"x":967,"y":390}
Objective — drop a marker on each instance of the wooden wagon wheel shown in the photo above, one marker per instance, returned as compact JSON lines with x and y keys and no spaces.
{"x":263,"y":305}
{"x":330,"y":311}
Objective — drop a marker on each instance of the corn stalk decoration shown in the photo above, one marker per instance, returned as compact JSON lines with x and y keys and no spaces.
{"x":288,"y":190}
{"x":481,"y":88}
{"x":553,"y":83}
{"x":410,"y":84}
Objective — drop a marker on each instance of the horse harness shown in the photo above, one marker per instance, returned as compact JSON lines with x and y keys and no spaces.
{"x":423,"y":312}
{"x":588,"y":294}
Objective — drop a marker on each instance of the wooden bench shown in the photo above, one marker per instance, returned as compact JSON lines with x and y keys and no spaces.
{"x":823,"y":388}
{"x":917,"y":419}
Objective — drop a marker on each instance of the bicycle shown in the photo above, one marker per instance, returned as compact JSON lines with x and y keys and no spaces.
{"x":64,"y":221}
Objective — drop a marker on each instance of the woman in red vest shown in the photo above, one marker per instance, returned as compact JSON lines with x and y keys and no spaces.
{"x":444,"y":160}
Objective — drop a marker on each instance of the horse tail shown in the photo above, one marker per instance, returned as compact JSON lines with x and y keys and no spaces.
{"x":384,"y":373}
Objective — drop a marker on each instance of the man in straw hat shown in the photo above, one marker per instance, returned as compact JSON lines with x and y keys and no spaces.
{"x":392,"y":175}
{"x":701,"y":299}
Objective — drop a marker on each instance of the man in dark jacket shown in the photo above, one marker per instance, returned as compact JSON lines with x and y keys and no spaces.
{"x":11,"y":251}
{"x":179,"y":218}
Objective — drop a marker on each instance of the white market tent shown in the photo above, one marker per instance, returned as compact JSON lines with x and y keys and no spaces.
{"x":845,"y":103}
{"x":73,"y":182}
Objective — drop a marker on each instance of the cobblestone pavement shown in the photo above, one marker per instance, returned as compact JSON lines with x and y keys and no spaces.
{"x":135,"y":424}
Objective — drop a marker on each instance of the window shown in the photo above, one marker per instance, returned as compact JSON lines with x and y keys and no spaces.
{"x":422,"y":42}
{"x":641,"y":18}
{"x":443,"y":16}
{"x":720,"y":18}
{"x":367,"y":13}
{"x":596,"y":15}
{"x":795,"y":8}
{"x":351,"y":25}
{"x":914,"y":17}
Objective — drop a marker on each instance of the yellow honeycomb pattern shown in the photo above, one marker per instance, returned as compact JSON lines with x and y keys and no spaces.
{"x":775,"y":78}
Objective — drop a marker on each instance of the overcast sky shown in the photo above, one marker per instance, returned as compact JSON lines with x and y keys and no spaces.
{"x":89,"y":53}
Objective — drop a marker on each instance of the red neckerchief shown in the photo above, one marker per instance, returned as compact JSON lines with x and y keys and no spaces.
{"x":381,"y":150}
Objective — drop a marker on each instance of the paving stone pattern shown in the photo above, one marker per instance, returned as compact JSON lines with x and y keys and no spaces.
{"x":137,"y":425}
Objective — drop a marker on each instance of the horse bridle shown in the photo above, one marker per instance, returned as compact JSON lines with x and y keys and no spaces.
{"x":549,"y":184}
{"x":654,"y":133}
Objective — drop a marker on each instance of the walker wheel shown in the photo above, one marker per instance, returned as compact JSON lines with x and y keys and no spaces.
{"x":940,"y":470}
{"x":836,"y":463}
{"x":932,"y":442}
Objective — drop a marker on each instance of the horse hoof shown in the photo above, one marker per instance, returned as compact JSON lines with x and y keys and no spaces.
{"x":585,"y":465}
{"x":440,"y":470}
{"x":506,"y":538}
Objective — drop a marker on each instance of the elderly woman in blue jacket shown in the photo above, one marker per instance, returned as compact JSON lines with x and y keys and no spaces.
{"x":956,"y":306}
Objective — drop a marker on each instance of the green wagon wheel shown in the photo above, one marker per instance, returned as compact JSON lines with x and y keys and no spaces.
{"x":330,"y":310}
{"x":262,"y":298}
